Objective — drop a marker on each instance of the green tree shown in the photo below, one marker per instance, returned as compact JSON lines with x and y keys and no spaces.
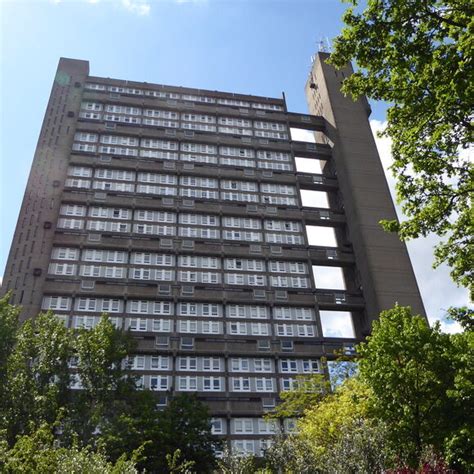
{"x":307,"y":391}
{"x":419,"y":380}
{"x":417,"y":56}
{"x":183,"y":425}
{"x":335,"y":434}
{"x":106,"y":380}
{"x":9,"y":326}
{"x":38,"y":453}
{"x":37,"y":375}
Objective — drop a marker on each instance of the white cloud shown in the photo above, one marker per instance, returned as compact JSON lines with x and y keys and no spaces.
{"x":337,"y":324}
{"x":437,"y":289}
{"x":302,"y":135}
{"x":138,"y":7}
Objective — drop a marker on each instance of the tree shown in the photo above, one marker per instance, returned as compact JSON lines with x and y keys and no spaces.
{"x":417,"y":56}
{"x":9,"y":326}
{"x":421,"y":380}
{"x":183,"y":425}
{"x":38,"y":453}
{"x":37,"y":375}
{"x":107,"y":385}
{"x":307,"y":391}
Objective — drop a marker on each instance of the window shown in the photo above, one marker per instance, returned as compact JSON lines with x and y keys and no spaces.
{"x":273,"y":155}
{"x":237,"y":162}
{"x":187,"y":384}
{"x":211,"y":327}
{"x":243,"y":425}
{"x":79,"y":171}
{"x":102,"y":271}
{"x":56,"y":303}
{"x":160,"y":114}
{"x":292,"y":313}
{"x":198,"y":262}
{"x":84,"y":322}
{"x":267,"y":426}
{"x":247,"y":311}
{"x":137,"y":324}
{"x":237,"y":152}
{"x":199,"y":219}
{"x":259,"y":329}
{"x":288,"y":366}
{"x":157,"y":190}
{"x":108,"y":226}
{"x":262,"y":365}
{"x":243,"y":236}
{"x":150,"y":307}
{"x":289,"y":239}
{"x":239,"y":185}
{"x":288,"y":384}
{"x":310,"y":366}
{"x":199,"y":233}
{"x":273,"y":107}
{"x":244,"y":264}
{"x":91,"y":105}
{"x":159,"y":154}
{"x":237,"y":328}
{"x":243,"y":447}
{"x":98,"y":304}
{"x":235,"y":196}
{"x":159,"y":144}
{"x":122,"y":109}
{"x":198,"y":193}
{"x":85,"y":137}
{"x":187,"y":343}
{"x":188,"y":326}
{"x":121,"y":118}
{"x":198,"y":182}
{"x":120,"y":175}
{"x":187,"y":363}
{"x":245,"y":279}
{"x":198,"y":148}
{"x":239,"y":365}
{"x":212,"y":384}
{"x":241,"y":223}
{"x":151,"y":274}
{"x":217,"y":426}
{"x":199,"y":309}
{"x":159,"y":382}
{"x":162,"y":325}
{"x":155,"y":178}
{"x":151,"y":229}
{"x":65,"y":253}
{"x":199,"y":277}
{"x":73,"y":224}
{"x":240,"y":384}
{"x":198,"y":158}
{"x":110,"y":256}
{"x":263,"y":384}
{"x":289,"y":282}
{"x":138,"y":363}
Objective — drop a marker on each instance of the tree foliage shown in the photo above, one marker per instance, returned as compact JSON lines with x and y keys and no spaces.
{"x":183,"y":425}
{"x":409,"y":408}
{"x":422,"y":382}
{"x":39,"y":453}
{"x":88,"y":428}
{"x":418,"y":56}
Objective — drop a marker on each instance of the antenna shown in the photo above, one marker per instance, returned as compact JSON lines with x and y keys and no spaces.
{"x":324,"y":45}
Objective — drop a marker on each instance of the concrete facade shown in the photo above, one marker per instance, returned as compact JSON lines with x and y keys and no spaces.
{"x":178,"y":212}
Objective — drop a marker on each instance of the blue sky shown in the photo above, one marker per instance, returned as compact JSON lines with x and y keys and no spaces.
{"x":260,"y":47}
